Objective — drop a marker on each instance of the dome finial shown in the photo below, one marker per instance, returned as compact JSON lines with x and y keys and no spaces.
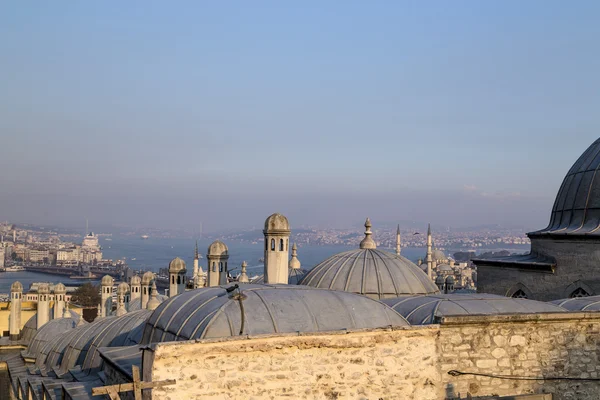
{"x":244,"y":275}
{"x":294,"y":262}
{"x":368,"y":242}
{"x":153,"y":302}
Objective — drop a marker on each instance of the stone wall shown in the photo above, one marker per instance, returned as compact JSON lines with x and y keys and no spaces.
{"x":542,"y":345}
{"x":398,"y":364}
{"x":403,"y":363}
{"x":578,"y":264}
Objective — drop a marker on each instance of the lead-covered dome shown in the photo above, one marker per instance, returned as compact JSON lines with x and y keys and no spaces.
{"x":107,"y":280}
{"x":176,"y":265}
{"x":16,"y":287}
{"x":277,"y":223}
{"x":576,"y":210}
{"x":265,"y":309}
{"x":370,"y":272}
{"x":217,"y":248}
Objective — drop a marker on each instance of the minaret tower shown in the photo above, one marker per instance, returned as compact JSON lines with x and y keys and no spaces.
{"x":195,"y":277}
{"x":217,"y":256}
{"x":59,"y":300}
{"x":16,"y":296}
{"x":177,"y":273}
{"x":244,"y":275}
{"x":147,"y":279}
{"x":43,"y":309}
{"x":106,"y":295}
{"x":136,"y":287}
{"x":429,"y":258}
{"x":398,"y":244}
{"x":277,"y":237}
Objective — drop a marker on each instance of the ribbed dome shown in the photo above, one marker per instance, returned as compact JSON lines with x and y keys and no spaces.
{"x":217,"y":248}
{"x":147,"y":278}
{"x":107,"y":280}
{"x":16,"y":287}
{"x":277,"y":223}
{"x":213,"y":312}
{"x":370,"y":272}
{"x":122,"y":288}
{"x":60,"y":288}
{"x":176,"y":265}
{"x":576,"y":209}
{"x":136,"y":280}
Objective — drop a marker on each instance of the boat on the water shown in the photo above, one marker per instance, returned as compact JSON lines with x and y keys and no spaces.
{"x":145,"y":236}
{"x":85,"y":276}
{"x":14,"y":268}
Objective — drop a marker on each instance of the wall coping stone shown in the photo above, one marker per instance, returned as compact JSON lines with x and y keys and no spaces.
{"x":474,"y":319}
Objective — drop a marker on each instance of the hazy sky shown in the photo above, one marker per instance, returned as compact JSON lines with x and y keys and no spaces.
{"x":172,"y":113}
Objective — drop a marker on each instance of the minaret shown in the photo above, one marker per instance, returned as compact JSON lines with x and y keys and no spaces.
{"x":398,"y":245}
{"x":294,"y":262}
{"x":243,"y":275}
{"x":59,"y":300}
{"x":277,"y":237}
{"x":122,"y":298}
{"x":217,"y":256}
{"x":153,"y":303}
{"x":43,"y":308}
{"x":177,"y":273}
{"x":195,"y":277}
{"x":147,"y":279}
{"x":429,"y":259}
{"x":16,"y":296}
{"x":368,"y":242}
{"x":136,"y":287}
{"x":106,"y":295}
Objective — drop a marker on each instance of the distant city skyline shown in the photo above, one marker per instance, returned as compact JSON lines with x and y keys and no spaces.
{"x":161,"y":115}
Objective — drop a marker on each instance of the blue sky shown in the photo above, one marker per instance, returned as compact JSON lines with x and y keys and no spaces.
{"x":172,"y":113}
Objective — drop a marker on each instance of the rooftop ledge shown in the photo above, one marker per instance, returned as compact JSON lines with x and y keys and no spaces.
{"x":505,"y":318}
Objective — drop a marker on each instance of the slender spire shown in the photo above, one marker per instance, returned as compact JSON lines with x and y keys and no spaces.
{"x":196,"y":251}
{"x":368,"y":242}
{"x":398,"y":242}
{"x":429,"y":258}
{"x":244,"y":275}
{"x":294,"y":262}
{"x":153,"y":302}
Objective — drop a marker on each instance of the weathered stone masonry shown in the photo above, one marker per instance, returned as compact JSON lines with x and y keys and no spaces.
{"x":404,"y":363}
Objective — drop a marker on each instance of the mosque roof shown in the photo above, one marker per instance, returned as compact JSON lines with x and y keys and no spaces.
{"x":370,"y":272}
{"x":423,"y":310}
{"x":30,"y":328}
{"x":295,"y":276}
{"x":213,"y":312}
{"x":50,"y":330}
{"x":531,"y":260}
{"x":576,"y":210}
{"x":136,"y":304}
{"x":590,"y":303}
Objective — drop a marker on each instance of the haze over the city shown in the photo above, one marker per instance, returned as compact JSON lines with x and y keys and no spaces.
{"x":151,"y":114}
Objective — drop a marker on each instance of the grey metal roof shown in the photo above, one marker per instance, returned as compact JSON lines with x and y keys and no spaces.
{"x":590,"y":303}
{"x":576,"y":210}
{"x":136,"y":304}
{"x":212,"y":312}
{"x":49,"y":331}
{"x":374,"y":273}
{"x":533,"y":261}
{"x":423,"y":310}
{"x":30,"y":328}
{"x":295,"y":276}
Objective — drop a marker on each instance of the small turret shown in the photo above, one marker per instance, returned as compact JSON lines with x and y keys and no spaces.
{"x":449,"y":284}
{"x":440,"y":282}
{"x":398,"y":243}
{"x":136,"y":287}
{"x":177,"y":273}
{"x":122,"y":298}
{"x":60,"y":292}
{"x":147,"y":279}
{"x":217,"y":257}
{"x":16,"y":297}
{"x":277,"y":237}
{"x":106,"y":295}
{"x":43,"y":310}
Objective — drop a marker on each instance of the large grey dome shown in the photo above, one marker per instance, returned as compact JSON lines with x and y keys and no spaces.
{"x":213,"y":312}
{"x":576,"y":209}
{"x":370,"y":272}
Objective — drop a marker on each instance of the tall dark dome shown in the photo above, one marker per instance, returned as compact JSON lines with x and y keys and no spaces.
{"x":576,"y":209}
